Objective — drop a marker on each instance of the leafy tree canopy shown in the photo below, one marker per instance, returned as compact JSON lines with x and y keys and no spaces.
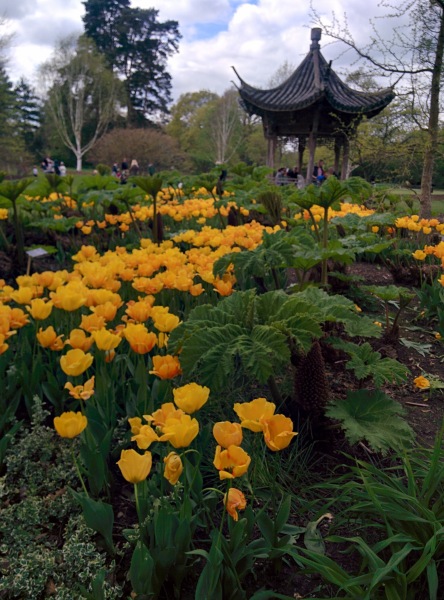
{"x":137,"y":46}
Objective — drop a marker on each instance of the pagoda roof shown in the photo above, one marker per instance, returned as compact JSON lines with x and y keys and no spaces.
{"x":313,"y":82}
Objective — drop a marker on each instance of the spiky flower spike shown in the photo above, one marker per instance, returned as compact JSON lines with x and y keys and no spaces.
{"x":311,"y":387}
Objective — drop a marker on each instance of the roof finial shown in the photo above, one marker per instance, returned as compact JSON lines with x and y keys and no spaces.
{"x":315,"y":37}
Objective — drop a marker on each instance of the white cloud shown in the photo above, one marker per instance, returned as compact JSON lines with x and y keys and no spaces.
{"x":257,"y":37}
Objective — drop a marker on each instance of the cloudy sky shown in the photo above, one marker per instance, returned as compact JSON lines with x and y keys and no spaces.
{"x":256,"y":36}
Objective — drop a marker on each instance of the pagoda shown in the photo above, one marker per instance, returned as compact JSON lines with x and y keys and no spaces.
{"x":314,"y":106}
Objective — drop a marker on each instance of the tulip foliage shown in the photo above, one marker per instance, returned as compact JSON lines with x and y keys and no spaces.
{"x":175,"y":370}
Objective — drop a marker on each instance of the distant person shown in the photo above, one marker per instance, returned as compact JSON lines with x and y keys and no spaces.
{"x":115,"y":170}
{"x":35,"y":171}
{"x":124,"y":171}
{"x":331,"y":172}
{"x":151,"y":169}
{"x":62,"y":169}
{"x":134,"y":168}
{"x":318,"y":176}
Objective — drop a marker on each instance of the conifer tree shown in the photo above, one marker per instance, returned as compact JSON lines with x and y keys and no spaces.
{"x":137,"y":47}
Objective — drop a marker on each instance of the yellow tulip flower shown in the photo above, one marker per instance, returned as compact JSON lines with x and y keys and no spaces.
{"x":81,"y":392}
{"x":180,"y":431}
{"x":227,"y":434}
{"x":139,"y":338}
{"x":231,"y":462}
{"x":78,"y":339}
{"x":191,"y":397}
{"x":40,"y":309}
{"x":70,"y":424}
{"x":135,"y":467}
{"x":173,"y":467}
{"x":166,"y":322}
{"x":48,"y":338}
{"x":278,"y":432}
{"x":159,"y":416}
{"x":252,"y":414}
{"x":421,"y":382}
{"x":105,"y":339}
{"x":166,"y":367}
{"x":234,"y":500}
{"x":75,"y":362}
{"x":145,"y":437}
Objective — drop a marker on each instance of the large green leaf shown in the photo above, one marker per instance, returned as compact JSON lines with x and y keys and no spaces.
{"x":374,"y":417}
{"x":365,"y":362}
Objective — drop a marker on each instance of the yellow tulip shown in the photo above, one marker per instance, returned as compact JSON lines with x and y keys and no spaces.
{"x":81,"y":392}
{"x":92,"y":322}
{"x":159,"y":416}
{"x":173,"y":467}
{"x":166,"y":322}
{"x":234,"y":500}
{"x":48,"y":338}
{"x":139,"y":338}
{"x":227,"y":434}
{"x":145,"y":437}
{"x":278,"y":432}
{"x":135,"y":467}
{"x":166,"y":367}
{"x":140,"y":311}
{"x":40,"y":309}
{"x":75,"y":362}
{"x":231,"y":462}
{"x":69,"y":297}
{"x":135,"y":424}
{"x":252,"y":414}
{"x":180,"y":431}
{"x":421,"y":382}
{"x":191,"y":397}
{"x":105,"y":339}
{"x":107,"y":310}
{"x":419,"y":255}
{"x":78,"y":339}
{"x":23,"y":295}
{"x":70,"y":424}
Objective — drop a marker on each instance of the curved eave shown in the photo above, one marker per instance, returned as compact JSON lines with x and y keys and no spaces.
{"x":301,"y":91}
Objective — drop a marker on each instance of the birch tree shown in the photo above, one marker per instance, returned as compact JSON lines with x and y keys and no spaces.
{"x":82,"y":95}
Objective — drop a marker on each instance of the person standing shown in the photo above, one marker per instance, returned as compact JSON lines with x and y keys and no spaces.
{"x":134,"y":168}
{"x":319,"y":173}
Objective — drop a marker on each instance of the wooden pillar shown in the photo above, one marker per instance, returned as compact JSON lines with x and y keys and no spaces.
{"x":312,"y":147}
{"x":301,"y":148}
{"x":345,"y":159}
{"x":271,"y":150}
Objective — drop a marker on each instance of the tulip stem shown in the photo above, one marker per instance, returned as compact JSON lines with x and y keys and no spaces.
{"x":78,"y":472}
{"x":225,"y":511}
{"x":136,"y":496}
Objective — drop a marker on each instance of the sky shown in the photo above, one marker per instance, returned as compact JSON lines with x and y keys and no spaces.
{"x":255,"y":36}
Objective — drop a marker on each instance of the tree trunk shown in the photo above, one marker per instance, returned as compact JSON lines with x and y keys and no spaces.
{"x":433,"y":127}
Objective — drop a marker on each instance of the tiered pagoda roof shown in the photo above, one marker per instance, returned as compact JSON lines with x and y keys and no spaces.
{"x":314,"y":87}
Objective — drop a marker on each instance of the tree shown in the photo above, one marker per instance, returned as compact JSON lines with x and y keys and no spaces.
{"x":82,"y":95}
{"x":137,"y":46}
{"x":148,"y":146}
{"x":28,"y":115}
{"x":225,"y":127}
{"x":415,"y":52}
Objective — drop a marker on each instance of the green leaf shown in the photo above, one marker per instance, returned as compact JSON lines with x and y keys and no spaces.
{"x":365,"y":362}
{"x":422,"y":349}
{"x":141,"y":570}
{"x":98,"y":515}
{"x":374,"y":417}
